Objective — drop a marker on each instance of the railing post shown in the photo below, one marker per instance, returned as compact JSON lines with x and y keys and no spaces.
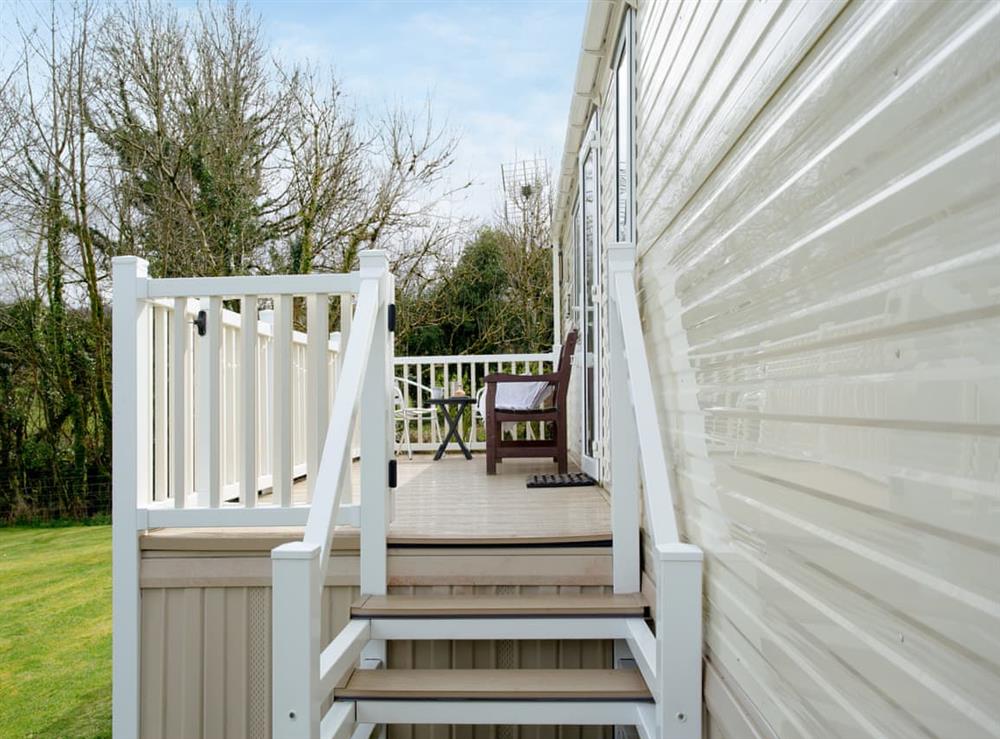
{"x":131,"y":478}
{"x":376,"y":449}
{"x":679,"y":640}
{"x":376,"y":394}
{"x":295,"y":626}
{"x":623,"y":438}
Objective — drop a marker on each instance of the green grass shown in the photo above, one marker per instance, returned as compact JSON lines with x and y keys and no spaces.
{"x":55,"y":632}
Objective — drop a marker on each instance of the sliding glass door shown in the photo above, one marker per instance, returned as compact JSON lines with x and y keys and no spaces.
{"x":590,"y":265}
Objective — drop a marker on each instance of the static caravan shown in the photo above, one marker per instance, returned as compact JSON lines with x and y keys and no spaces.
{"x":809,"y":193}
{"x":776,"y":236}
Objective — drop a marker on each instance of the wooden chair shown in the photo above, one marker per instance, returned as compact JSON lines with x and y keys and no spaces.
{"x":497,"y":448}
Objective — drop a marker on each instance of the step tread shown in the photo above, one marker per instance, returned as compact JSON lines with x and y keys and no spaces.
{"x":633,"y":604}
{"x":608,"y":685}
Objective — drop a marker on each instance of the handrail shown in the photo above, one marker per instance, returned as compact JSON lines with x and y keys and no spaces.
{"x":674,"y":671}
{"x":304,"y":670}
{"x":660,"y":512}
{"x":229,"y":287}
{"x":336,"y":459}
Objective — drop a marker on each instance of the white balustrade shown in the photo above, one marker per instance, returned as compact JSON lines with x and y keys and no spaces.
{"x":416,"y":376}
{"x":637,"y":445}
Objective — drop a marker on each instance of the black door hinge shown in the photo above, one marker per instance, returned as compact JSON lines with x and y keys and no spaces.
{"x":392,"y":317}
{"x":392,"y":473}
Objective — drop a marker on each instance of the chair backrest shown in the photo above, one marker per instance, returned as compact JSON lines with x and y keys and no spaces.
{"x":565,"y":365}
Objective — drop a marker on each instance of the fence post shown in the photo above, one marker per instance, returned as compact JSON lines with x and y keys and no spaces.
{"x":623,"y":437}
{"x":376,"y":435}
{"x":376,"y":446}
{"x":295,"y":615}
{"x":131,"y":478}
{"x":679,"y":640}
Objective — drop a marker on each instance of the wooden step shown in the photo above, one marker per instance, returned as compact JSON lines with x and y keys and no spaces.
{"x":444,"y":606}
{"x":562,"y":685}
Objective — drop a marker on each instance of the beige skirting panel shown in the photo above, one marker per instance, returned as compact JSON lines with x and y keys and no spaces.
{"x":206,"y":660}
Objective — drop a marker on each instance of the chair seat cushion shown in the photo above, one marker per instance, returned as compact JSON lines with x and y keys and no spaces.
{"x":517,"y":396}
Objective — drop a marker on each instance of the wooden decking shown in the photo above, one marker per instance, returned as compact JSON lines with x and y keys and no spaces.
{"x":454,"y":501}
{"x":450,"y":502}
{"x":495,"y":685}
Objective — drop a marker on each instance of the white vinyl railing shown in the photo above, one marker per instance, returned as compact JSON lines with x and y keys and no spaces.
{"x":416,"y":376}
{"x":304,"y":670}
{"x":232,"y":405}
{"x":214,"y":427}
{"x":637,"y":446}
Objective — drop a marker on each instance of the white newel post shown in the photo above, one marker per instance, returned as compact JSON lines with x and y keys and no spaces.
{"x":131,"y":478}
{"x":679,"y":640}
{"x":376,"y":434}
{"x":376,"y":449}
{"x":295,"y":594}
{"x":624,"y":440}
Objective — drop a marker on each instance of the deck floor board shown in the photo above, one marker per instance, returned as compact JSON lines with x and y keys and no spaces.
{"x":453,"y":502}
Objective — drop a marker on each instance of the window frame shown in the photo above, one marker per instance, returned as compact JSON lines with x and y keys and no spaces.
{"x":625,"y":51}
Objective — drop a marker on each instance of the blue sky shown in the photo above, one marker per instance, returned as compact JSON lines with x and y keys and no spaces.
{"x":499,"y":73}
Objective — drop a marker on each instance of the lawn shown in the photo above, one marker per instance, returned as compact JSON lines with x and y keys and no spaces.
{"x":55,"y":632}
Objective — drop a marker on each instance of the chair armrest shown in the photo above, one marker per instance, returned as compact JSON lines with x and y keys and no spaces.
{"x":501,"y":377}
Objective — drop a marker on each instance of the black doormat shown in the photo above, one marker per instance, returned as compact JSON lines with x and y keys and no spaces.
{"x":569,"y":480}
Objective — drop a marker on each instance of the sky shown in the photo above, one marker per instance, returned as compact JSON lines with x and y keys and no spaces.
{"x":499,"y":74}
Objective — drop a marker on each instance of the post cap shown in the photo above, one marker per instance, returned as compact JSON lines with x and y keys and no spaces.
{"x":679,"y":552}
{"x":295,"y":550}
{"x":373,"y":260}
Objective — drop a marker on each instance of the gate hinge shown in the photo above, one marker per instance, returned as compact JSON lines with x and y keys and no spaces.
{"x":392,"y":473}
{"x":392,"y":317}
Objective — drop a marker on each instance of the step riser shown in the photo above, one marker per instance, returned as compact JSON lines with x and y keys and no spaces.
{"x":504,"y":628}
{"x":572,"y":713}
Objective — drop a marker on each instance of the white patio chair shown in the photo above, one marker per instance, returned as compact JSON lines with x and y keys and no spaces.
{"x":403,"y":414}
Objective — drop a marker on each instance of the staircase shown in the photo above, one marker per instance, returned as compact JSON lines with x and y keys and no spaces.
{"x":660,"y":697}
{"x":605,"y":696}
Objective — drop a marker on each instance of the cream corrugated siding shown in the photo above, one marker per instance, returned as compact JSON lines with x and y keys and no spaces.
{"x":819,"y":206}
{"x":206,"y":660}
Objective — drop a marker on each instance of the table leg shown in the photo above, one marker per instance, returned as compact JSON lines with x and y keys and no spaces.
{"x":452,"y":417}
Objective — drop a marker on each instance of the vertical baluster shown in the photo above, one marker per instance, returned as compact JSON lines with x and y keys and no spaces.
{"x":473,"y":389}
{"x":160,"y":361}
{"x":225,"y":405}
{"x":248,"y":378}
{"x":346,"y":317}
{"x":420,"y":403}
{"x":281,"y":467}
{"x":264,"y":388}
{"x":189,"y":400}
{"x":178,"y":403}
{"x":213,"y":339}
{"x":317,"y":396}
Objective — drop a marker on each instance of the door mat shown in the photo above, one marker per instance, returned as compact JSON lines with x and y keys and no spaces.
{"x":568,"y":480}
